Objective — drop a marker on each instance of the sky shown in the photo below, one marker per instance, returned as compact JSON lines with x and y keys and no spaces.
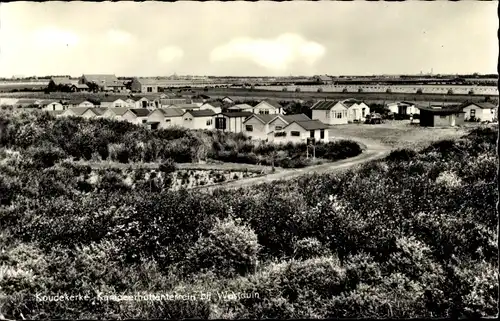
{"x":247,"y":38}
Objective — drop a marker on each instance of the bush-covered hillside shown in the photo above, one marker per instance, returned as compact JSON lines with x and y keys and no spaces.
{"x":413,"y":235}
{"x":103,"y":139}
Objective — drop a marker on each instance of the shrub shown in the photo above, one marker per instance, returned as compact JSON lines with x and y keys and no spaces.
{"x":403,"y":154}
{"x":45,"y":156}
{"x":396,"y":297}
{"x":168,"y":166}
{"x":308,"y":248}
{"x":229,"y":248}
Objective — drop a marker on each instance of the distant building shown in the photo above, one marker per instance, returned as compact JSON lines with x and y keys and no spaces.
{"x":115,"y":113}
{"x":403,"y":108}
{"x":228,"y":100}
{"x":51,"y":105}
{"x":267,"y":107}
{"x":104,"y":82}
{"x":301,"y":132}
{"x":216,"y":107}
{"x":231,"y":121}
{"x":113,"y":102}
{"x":480,"y":111}
{"x":198,"y":119}
{"x":85,"y":112}
{"x":339,"y":112}
{"x":145,"y":85}
{"x":241,"y":107}
{"x":258,"y":126}
{"x":323,"y":79}
{"x":79,"y":88}
{"x":136,"y":115}
{"x":165,"y":117}
{"x":449,"y":116}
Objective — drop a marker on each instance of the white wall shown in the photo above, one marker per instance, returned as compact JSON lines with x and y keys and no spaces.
{"x":263,"y":106}
{"x":482,"y":114}
{"x":54,"y":106}
{"x":197,"y":122}
{"x":304,"y":134}
{"x":329,"y":116}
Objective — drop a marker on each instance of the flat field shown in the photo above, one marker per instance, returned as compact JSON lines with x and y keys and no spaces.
{"x":399,"y":134}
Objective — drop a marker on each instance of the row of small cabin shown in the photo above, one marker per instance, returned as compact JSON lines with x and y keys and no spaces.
{"x":274,"y":127}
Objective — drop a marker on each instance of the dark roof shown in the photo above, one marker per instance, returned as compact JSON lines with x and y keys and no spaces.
{"x":323,"y":77}
{"x":185,"y":106}
{"x":324,"y":104}
{"x":214,"y":103}
{"x":201,"y":113}
{"x":237,"y":114}
{"x":81,"y":86}
{"x":99,"y":110}
{"x":141,"y":112}
{"x":110,"y":99}
{"x":108,"y":80}
{"x":240,"y":107}
{"x":349,"y":102}
{"x":64,"y":81}
{"x":296,"y":117}
{"x":442,"y":111}
{"x":484,"y":105}
{"x":171,"y":112}
{"x":311,"y":124}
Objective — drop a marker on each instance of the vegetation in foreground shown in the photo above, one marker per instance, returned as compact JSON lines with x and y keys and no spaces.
{"x":412,"y":235}
{"x":103,"y":139}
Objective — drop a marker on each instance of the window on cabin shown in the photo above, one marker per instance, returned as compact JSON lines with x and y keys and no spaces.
{"x":472,"y":113}
{"x":144,"y":121}
{"x":339,"y":114}
{"x":322,"y":134}
{"x":327,"y":113}
{"x":295,"y":133}
{"x":249,"y":128}
{"x":149,"y":89}
{"x":209,"y":122}
{"x":311,"y":133}
{"x":279,"y":128}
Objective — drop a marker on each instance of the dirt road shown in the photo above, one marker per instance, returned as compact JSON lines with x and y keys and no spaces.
{"x":371,"y":150}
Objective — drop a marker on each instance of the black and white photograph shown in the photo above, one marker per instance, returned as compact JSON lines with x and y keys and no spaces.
{"x":249,"y":160}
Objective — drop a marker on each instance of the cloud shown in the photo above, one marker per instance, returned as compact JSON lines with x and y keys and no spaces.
{"x":170,"y":53}
{"x":275,"y":54}
{"x":119,"y":37}
{"x":49,"y":37}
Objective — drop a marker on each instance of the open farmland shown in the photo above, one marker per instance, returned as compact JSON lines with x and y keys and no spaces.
{"x":220,"y":93}
{"x":399,"y":134}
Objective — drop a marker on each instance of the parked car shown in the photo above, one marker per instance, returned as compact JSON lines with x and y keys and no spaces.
{"x":373,"y":118}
